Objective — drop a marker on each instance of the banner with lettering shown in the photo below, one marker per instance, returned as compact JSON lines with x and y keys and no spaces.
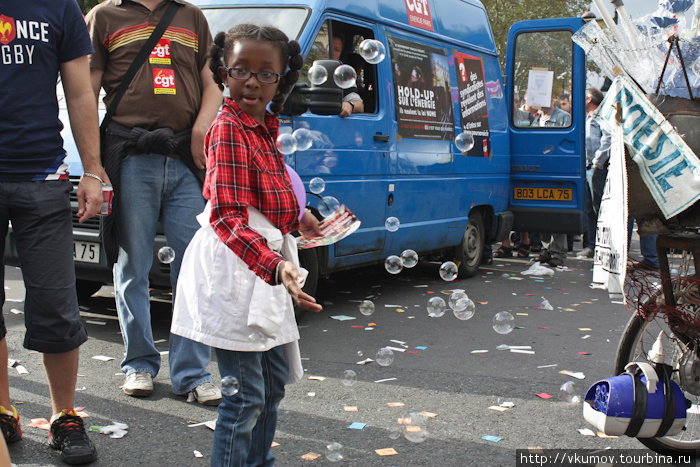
{"x":474,"y":113}
{"x":610,"y":260}
{"x":422,"y":90}
{"x":669,"y":168}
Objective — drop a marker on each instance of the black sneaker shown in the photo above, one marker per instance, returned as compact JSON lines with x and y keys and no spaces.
{"x":9,"y":424}
{"x":68,"y":435}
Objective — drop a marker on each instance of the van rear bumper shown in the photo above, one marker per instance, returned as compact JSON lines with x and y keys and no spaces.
{"x":547,"y":220}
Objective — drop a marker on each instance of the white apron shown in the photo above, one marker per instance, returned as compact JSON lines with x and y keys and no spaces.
{"x":220,"y":302}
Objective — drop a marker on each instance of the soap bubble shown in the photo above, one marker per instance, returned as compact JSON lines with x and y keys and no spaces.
{"x":334,"y":452}
{"x":464,"y":141}
{"x":359,"y":353}
{"x":318,"y":75}
{"x":503,"y":322}
{"x":286,"y":143}
{"x":366,"y":307}
{"x":464,"y":309}
{"x":166,"y":255}
{"x":392,"y":224}
{"x":372,"y":51}
{"x":413,"y":427}
{"x":436,"y":307}
{"x":569,"y":393}
{"x":328,"y":205}
{"x":349,"y":378}
{"x":304,"y":138}
{"x":457,"y":294}
{"x":317,"y":185}
{"x":229,"y":386}
{"x":409,"y":258}
{"x":345,"y":76}
{"x":449,"y":271}
{"x":384,"y":357}
{"x":393,"y":264}
{"x":257,"y":338}
{"x":395,"y":432}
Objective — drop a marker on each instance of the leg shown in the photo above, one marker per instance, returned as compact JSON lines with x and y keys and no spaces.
{"x":5,"y":400}
{"x":238,"y":414}
{"x":139,"y":207}
{"x":275,"y":375}
{"x":182,"y":202}
{"x":591,"y":214}
{"x":647,"y":243}
{"x":62,"y":373}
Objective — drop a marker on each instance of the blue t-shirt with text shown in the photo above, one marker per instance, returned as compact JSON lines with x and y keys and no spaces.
{"x":36,"y":37}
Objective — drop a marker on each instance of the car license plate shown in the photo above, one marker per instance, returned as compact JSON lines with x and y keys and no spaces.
{"x":86,"y":252}
{"x":542,"y":194}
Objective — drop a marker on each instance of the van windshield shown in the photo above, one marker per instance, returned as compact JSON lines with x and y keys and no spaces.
{"x":289,"y":20}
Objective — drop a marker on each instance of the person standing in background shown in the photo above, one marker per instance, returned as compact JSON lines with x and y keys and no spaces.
{"x":156,"y":143}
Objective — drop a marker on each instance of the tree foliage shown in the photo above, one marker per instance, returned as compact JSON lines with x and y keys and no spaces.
{"x":503,"y":13}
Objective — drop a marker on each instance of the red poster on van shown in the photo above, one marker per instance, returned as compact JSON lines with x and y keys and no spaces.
{"x":474,"y":113}
{"x":419,"y":14}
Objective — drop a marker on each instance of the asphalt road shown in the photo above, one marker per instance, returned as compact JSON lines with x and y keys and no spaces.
{"x":444,"y":376}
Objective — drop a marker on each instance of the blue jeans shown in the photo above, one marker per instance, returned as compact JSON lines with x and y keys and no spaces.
{"x":247,"y":420}
{"x":647,"y":245}
{"x":153,"y":188}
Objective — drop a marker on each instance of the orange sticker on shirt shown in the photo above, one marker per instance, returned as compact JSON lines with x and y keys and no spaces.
{"x":161,"y":53}
{"x":163,"y":81}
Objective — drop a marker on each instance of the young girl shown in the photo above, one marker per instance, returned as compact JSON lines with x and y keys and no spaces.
{"x":228,"y":294}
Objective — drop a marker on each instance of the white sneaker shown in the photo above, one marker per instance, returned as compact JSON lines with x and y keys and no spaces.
{"x":585,"y":253}
{"x":138,"y":384}
{"x":207,"y":394}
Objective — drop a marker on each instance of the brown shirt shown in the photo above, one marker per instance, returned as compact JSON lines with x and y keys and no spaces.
{"x":166,"y":91}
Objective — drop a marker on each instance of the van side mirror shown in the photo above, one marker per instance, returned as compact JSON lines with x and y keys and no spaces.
{"x":322,"y":99}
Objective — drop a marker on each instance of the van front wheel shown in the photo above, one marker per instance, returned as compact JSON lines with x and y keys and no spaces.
{"x":470,"y":251}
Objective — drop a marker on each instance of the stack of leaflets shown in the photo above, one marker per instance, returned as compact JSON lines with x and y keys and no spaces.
{"x":334,"y":228}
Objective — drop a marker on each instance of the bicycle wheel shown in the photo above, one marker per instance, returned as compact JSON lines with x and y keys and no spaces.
{"x":680,"y":353}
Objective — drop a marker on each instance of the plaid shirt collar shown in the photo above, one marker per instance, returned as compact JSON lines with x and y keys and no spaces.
{"x":272,"y":123}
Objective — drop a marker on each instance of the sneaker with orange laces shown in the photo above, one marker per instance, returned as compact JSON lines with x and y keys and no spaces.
{"x":9,"y":423}
{"x":68,"y":435}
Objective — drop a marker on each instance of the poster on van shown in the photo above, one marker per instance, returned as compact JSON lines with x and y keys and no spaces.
{"x":422,"y":90}
{"x":474,"y":113}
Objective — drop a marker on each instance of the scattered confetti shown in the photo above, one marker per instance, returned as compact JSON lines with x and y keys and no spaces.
{"x":317,"y":378}
{"x":365,"y":361}
{"x":573,"y":374}
{"x":531,"y":352}
{"x":342,"y":317}
{"x":310,"y":456}
{"x":543,"y":395}
{"x":274,"y":444}
{"x":386,"y":452}
{"x":95,"y":321}
{"x":385,"y":380}
{"x":603,"y":435}
{"x":586,"y":431}
{"x":421,"y":347}
{"x":197,"y":454}
{"x":584,"y":353}
{"x":427,"y":414}
{"x":395,"y":404}
{"x":357,"y":426}
{"x":498,"y":408}
{"x":493,"y":439}
{"x":350,"y":408}
{"x":102,"y":358}
{"x":480,"y":351}
{"x":16,"y":311}
{"x":21,"y":370}
{"x":547,"y":366}
{"x":585,"y":329}
{"x":40,"y":423}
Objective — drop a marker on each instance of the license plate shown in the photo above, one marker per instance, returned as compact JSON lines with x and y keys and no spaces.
{"x":542,"y":194}
{"x":86,"y":252}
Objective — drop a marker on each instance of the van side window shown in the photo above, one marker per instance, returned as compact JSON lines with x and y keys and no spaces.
{"x":341,"y":41}
{"x":542,"y":79}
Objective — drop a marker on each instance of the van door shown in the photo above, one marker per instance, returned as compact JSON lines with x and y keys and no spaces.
{"x":546,"y":84}
{"x":350,"y":154}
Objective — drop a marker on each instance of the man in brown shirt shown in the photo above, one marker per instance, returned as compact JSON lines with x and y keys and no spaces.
{"x":158,"y":131}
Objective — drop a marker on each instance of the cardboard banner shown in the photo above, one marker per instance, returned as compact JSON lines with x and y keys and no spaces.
{"x":610,"y":260}
{"x":474,"y":112}
{"x":422,"y":90}
{"x":669,"y":168}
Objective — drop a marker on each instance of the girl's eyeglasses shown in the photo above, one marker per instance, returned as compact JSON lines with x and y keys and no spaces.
{"x":265,"y":77}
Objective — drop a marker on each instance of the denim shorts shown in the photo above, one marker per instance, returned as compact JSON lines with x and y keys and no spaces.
{"x":40,"y":213}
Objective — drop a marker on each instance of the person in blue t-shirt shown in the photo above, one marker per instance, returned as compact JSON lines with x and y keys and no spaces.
{"x":39,"y":40}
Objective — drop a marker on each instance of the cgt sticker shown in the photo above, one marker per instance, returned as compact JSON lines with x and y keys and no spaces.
{"x":161,"y":53}
{"x":419,"y":14}
{"x":163,"y":81}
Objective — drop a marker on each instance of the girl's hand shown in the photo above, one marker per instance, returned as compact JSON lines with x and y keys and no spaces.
{"x":309,"y":225}
{"x":288,"y":275}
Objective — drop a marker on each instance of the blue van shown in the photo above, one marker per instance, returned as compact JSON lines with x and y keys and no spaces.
{"x":440,"y":77}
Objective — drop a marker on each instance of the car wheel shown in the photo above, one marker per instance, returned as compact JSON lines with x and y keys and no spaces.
{"x":470,"y":251}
